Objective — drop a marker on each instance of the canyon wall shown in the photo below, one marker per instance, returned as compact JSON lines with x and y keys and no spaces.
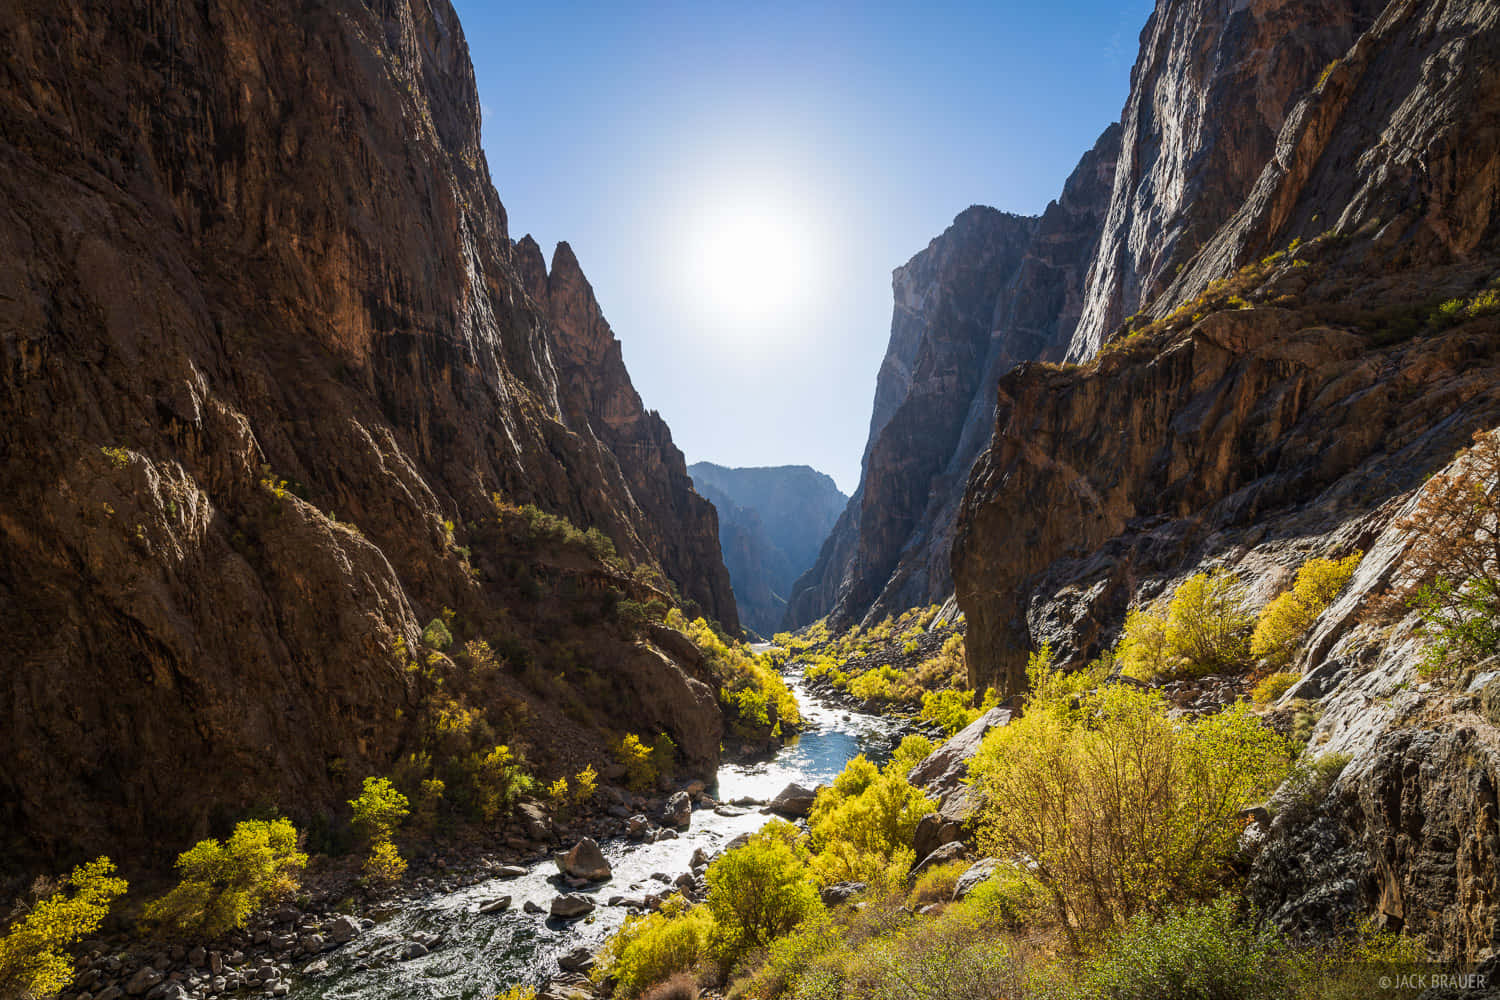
{"x":1320,"y":334}
{"x":268,"y":354}
{"x":772,"y":523}
{"x":990,"y":292}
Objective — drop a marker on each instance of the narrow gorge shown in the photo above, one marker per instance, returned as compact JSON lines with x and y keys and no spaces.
{"x":371,"y":636}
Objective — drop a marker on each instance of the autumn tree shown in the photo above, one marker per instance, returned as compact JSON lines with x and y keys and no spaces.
{"x":1454,"y":557}
{"x":33,"y":957}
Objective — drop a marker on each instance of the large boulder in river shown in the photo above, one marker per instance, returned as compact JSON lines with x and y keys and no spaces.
{"x":571,"y":905}
{"x":678,"y":811}
{"x":584,"y":861}
{"x":793,"y":800}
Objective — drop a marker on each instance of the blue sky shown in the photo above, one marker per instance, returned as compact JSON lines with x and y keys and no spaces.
{"x":738,"y":181}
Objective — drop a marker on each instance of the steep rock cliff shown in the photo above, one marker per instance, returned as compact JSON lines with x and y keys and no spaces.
{"x":772,"y":522}
{"x":267,"y":353}
{"x":597,"y":397}
{"x":1211,"y":89}
{"x":992,"y":291}
{"x":1332,"y":344}
{"x":1201,"y":426}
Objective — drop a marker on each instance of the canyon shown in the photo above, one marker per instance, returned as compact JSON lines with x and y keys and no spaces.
{"x":772,"y":522}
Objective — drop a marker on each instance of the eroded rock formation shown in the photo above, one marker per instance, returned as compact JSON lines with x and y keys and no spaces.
{"x":267,"y":353}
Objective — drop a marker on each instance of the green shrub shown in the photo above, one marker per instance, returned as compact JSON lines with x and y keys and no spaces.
{"x":379,"y":809}
{"x":1284,"y":621}
{"x":224,"y":883}
{"x":436,"y":635}
{"x":1273,"y":686}
{"x":1204,"y":629}
{"x":1195,"y":953}
{"x":650,"y":948}
{"x":1121,"y":807}
{"x":756,"y":894}
{"x":33,"y":958}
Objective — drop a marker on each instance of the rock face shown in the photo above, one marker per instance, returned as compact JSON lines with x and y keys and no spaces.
{"x":991,"y":291}
{"x":1298,"y":386}
{"x":1211,"y":88}
{"x":259,"y":291}
{"x":1245,"y":429}
{"x":772,"y":522}
{"x":596,"y":394}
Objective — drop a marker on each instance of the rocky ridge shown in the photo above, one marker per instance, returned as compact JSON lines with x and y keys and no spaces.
{"x":991,"y":291}
{"x":268,"y":355}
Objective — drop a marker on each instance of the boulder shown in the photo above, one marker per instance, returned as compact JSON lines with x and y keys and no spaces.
{"x":534,"y":821}
{"x":793,"y":800}
{"x":584,"y":861}
{"x":509,"y":871}
{"x":841,"y":892}
{"x":531,"y":906}
{"x":578,"y":960}
{"x":945,"y":769}
{"x":413,"y":949}
{"x":344,"y":929}
{"x":570,"y":906}
{"x":978,"y":872}
{"x":143,"y":980}
{"x":948,"y":852}
{"x":495,"y":905}
{"x":678,"y":811}
{"x":933,"y":831}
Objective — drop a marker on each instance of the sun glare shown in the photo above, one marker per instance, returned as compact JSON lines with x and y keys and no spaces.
{"x":751,"y":263}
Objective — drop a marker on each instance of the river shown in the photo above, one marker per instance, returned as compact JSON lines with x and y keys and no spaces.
{"x":481,"y":954}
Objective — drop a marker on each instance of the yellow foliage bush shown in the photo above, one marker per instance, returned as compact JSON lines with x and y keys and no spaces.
{"x":1121,"y":807}
{"x":33,"y":960}
{"x":756,"y":894}
{"x":1204,"y":629}
{"x":650,"y":948}
{"x":1273,"y":686}
{"x":1284,"y":621}
{"x":385,"y":864}
{"x":223,"y":883}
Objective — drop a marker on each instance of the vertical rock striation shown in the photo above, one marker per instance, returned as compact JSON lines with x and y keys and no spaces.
{"x":266,"y":352}
{"x":1211,"y":88}
{"x":990,"y":292}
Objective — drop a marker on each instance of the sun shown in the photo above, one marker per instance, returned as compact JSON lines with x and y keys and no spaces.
{"x":751,"y":262}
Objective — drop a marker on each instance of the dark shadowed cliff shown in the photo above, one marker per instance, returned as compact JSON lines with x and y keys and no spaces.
{"x":268,"y":352}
